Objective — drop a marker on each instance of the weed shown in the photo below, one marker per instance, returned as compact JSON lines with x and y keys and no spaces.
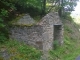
{"x":21,"y":51}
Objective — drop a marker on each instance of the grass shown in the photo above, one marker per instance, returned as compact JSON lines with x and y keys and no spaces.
{"x":20,"y":51}
{"x":68,"y":29}
{"x":71,"y":47}
{"x":69,"y":51}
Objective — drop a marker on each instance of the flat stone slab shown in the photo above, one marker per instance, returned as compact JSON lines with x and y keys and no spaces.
{"x":78,"y":58}
{"x":25,"y":20}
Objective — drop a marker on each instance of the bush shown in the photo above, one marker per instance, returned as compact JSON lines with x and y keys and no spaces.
{"x":2,"y":38}
{"x":3,"y":28}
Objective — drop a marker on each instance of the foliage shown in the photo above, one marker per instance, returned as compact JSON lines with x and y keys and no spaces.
{"x":40,"y":7}
{"x":5,"y":7}
{"x":67,"y":51}
{"x":2,"y":37}
{"x":71,"y":47}
{"x":3,"y":29}
{"x":68,"y":29}
{"x":61,"y":6}
{"x":21,"y":51}
{"x":55,"y":44}
{"x":28,"y":6}
{"x":35,"y":8}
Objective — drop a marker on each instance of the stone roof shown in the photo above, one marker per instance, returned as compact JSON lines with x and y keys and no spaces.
{"x":51,"y":17}
{"x":24,"y":20}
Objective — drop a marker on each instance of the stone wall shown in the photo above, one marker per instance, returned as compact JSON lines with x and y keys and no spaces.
{"x":29,"y":35}
{"x":42,"y":35}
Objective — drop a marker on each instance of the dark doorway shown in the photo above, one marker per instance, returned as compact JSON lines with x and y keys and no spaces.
{"x":57,"y":35}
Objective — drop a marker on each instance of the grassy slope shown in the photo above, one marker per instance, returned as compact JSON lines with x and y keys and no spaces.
{"x":19,"y":51}
{"x":69,"y":51}
{"x":71,"y":48}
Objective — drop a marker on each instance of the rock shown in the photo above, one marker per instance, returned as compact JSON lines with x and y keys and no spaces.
{"x":25,"y":20}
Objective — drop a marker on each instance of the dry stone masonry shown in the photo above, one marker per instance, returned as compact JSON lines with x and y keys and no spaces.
{"x":41,"y":35}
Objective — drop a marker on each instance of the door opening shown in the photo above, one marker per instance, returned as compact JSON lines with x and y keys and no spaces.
{"x":57,"y":35}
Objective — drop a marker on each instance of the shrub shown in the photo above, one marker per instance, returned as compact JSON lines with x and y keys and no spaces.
{"x":3,"y":28}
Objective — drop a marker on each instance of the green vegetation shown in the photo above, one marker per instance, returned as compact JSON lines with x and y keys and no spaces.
{"x":3,"y":30}
{"x":10,"y":9}
{"x":68,"y":51}
{"x":71,"y":47}
{"x":20,"y":51}
{"x":68,"y":29}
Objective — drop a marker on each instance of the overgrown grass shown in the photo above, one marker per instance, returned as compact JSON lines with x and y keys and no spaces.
{"x":70,"y":49}
{"x":67,"y":52}
{"x":20,"y":51}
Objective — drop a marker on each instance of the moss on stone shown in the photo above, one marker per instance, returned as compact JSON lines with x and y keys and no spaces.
{"x":14,"y":22}
{"x":23,"y":25}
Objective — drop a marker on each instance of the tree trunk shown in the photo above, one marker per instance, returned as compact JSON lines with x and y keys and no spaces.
{"x":44,"y":7}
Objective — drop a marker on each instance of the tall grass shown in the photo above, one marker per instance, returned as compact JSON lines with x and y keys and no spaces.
{"x":20,"y":51}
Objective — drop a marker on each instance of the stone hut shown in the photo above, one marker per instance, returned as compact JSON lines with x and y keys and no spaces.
{"x":41,"y":35}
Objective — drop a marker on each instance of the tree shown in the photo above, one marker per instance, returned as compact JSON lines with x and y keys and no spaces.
{"x":68,"y":5}
{"x":62,"y":6}
{"x":44,"y":7}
